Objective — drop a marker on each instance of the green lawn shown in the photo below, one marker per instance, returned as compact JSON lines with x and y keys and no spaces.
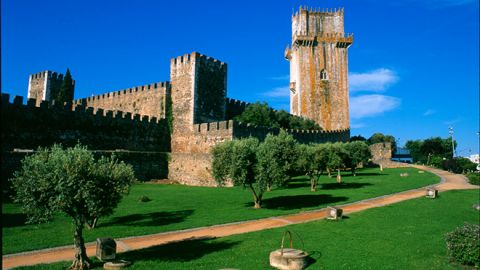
{"x":407,"y":235}
{"x":175,"y":207}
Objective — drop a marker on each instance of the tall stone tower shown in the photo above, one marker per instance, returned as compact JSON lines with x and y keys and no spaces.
{"x":199,"y":88}
{"x":45,"y":85}
{"x":319,"y":67}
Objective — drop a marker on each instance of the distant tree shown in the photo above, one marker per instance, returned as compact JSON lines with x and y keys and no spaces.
{"x":376,"y":138}
{"x":358,"y":138}
{"x":261,"y":114}
{"x":276,"y":159}
{"x":336,"y":159}
{"x":381,"y":138}
{"x":73,"y":182}
{"x":357,"y":152}
{"x":415,"y":150}
{"x":258,"y":114}
{"x":312,"y":160}
{"x":283,"y":119}
{"x":66,"y":89}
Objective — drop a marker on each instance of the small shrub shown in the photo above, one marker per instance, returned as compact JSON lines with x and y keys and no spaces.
{"x":463,"y":244}
{"x":474,"y":178}
{"x":144,"y":198}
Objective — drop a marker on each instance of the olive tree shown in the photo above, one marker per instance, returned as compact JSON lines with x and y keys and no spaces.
{"x":276,"y":158}
{"x":73,"y":182}
{"x":236,"y":161}
{"x":358,"y":152}
{"x":312,"y":160}
{"x":336,"y":158}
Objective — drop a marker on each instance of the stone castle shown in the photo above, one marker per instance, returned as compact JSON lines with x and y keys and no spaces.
{"x":189,"y":114}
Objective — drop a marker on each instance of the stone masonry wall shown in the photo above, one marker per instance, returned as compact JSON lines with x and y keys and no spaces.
{"x":150,"y":100}
{"x":191,"y":163}
{"x":319,"y":68}
{"x":210,"y":89}
{"x":234,"y":107}
{"x":381,"y":151}
{"x":45,"y":85}
{"x":28,"y":127}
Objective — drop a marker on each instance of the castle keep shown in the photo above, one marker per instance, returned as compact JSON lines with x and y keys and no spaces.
{"x":189,"y":114}
{"x":46,"y":85}
{"x":319,"y":67}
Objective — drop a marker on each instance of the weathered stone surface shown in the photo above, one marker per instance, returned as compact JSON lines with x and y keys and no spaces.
{"x":149,"y":100}
{"x":45,"y":86}
{"x":106,"y":249}
{"x":319,"y":68}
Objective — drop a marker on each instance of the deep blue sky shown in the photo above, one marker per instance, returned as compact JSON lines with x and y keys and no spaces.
{"x":414,"y":65}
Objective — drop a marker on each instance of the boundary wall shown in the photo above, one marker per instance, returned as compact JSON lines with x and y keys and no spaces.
{"x":151,"y":100}
{"x":27,"y":126}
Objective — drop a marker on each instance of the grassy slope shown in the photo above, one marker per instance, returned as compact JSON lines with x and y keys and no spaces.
{"x":180,"y":207}
{"x":407,"y":235}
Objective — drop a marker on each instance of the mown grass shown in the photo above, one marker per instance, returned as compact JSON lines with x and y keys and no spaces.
{"x":407,"y":235}
{"x":175,"y":207}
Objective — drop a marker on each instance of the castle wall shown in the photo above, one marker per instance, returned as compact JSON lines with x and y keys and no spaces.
{"x":198,"y":94}
{"x":234,"y":107}
{"x":191,"y":162}
{"x":46,"y":86}
{"x":28,"y":127}
{"x":150,"y":100}
{"x":210,"y":89}
{"x":319,"y":68}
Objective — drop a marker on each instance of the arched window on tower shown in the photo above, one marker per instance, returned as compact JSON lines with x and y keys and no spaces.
{"x":323,"y":75}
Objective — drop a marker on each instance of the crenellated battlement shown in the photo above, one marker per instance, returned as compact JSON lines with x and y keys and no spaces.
{"x":195,"y":56}
{"x":213,"y":126}
{"x":158,"y":86}
{"x":29,"y":126}
{"x":78,"y":108}
{"x":322,"y":11}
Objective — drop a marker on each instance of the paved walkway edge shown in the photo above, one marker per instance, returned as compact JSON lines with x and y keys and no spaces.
{"x":448,"y":181}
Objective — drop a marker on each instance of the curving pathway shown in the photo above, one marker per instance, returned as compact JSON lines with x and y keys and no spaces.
{"x":449,"y":181}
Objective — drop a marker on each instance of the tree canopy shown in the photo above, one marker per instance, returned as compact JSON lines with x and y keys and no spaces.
{"x":66,"y":89}
{"x":73,"y":182}
{"x":261,"y":114}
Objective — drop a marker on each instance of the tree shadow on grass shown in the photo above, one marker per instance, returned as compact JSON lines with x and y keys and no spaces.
{"x":344,"y":185}
{"x":13,"y":220}
{"x":182,"y":251}
{"x":297,"y":184}
{"x":148,"y":219}
{"x":299,"y":201}
{"x":370,"y":174}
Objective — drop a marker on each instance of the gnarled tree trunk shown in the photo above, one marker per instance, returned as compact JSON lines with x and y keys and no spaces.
{"x":81,"y":261}
{"x":257,"y":199}
{"x":313,"y":183}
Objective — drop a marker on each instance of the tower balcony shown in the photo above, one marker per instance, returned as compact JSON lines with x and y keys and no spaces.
{"x":342,"y":40}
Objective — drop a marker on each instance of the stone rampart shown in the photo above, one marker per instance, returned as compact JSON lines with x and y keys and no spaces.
{"x":27,"y":126}
{"x":191,"y":162}
{"x":234,"y":107}
{"x":150,"y":100}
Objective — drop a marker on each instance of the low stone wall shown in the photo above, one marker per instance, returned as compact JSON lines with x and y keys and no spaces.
{"x":381,"y":151}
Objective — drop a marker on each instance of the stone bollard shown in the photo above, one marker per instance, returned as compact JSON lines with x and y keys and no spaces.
{"x":106,"y":249}
{"x":334,"y":213}
{"x":431,"y":193}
